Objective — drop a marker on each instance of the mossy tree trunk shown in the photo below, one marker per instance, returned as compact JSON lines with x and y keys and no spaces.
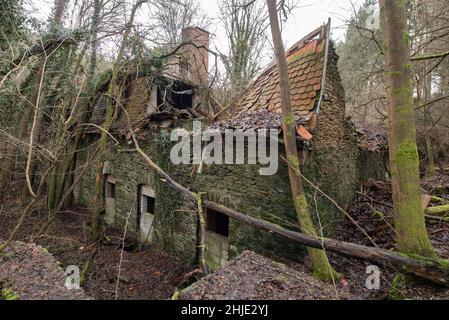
{"x":409,"y":218}
{"x":62,"y":175}
{"x":112,"y":96}
{"x":320,"y":263}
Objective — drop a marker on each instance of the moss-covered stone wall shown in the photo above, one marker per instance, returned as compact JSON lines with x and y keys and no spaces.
{"x":242,"y":188}
{"x":372,"y":165}
{"x":332,"y":157}
{"x":175,"y":224}
{"x":128,"y":171}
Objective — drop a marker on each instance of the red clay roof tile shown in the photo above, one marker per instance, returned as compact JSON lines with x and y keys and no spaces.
{"x":305,"y":67}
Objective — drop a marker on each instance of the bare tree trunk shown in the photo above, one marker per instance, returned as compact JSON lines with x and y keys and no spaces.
{"x":409,"y":218}
{"x":245,"y":25}
{"x":36,"y":127}
{"x":85,"y":103}
{"x":94,"y":38}
{"x":111,"y":96}
{"x":321,"y":266}
{"x":10,"y":161}
{"x":424,"y":85}
{"x":202,"y":244}
{"x":430,"y":167}
{"x":58,"y":13}
{"x":63,"y":174}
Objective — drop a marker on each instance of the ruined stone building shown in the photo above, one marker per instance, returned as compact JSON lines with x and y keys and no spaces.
{"x":160,"y":101}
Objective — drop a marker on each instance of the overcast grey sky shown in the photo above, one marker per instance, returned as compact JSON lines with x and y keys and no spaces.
{"x":309,"y":15}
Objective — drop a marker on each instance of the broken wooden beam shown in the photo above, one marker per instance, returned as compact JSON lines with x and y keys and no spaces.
{"x":436,"y":271}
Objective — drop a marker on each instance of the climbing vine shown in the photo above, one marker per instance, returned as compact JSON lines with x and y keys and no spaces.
{"x":168,"y":200}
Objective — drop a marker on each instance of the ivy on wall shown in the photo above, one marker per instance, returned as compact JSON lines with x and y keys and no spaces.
{"x":168,"y":200}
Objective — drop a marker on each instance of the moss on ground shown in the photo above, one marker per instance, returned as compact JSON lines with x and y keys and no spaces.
{"x":8,"y":294}
{"x":397,"y":289}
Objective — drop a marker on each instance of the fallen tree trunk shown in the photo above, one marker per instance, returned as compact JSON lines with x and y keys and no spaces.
{"x":434,"y":219}
{"x":434,"y":270}
{"x":438,"y":211}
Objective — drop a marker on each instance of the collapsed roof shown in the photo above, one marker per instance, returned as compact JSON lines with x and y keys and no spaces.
{"x":260,"y":105}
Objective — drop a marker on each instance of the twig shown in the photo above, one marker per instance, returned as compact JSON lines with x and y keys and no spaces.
{"x":333,"y":202}
{"x":121,"y":252}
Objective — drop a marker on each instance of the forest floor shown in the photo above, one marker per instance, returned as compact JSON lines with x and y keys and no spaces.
{"x":149,"y":274}
{"x":373,"y":211}
{"x":152,"y":274}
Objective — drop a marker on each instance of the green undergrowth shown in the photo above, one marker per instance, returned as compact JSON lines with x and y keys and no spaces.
{"x":7,"y":294}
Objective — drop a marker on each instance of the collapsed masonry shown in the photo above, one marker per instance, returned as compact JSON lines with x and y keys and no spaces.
{"x":160,"y":101}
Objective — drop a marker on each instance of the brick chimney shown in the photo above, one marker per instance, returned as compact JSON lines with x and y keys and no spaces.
{"x":195,"y":56}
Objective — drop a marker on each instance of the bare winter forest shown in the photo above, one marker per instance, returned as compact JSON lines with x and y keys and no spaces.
{"x":224,"y":150}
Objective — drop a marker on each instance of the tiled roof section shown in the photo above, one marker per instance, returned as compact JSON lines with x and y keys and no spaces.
{"x":135,"y":105}
{"x":305,"y":67}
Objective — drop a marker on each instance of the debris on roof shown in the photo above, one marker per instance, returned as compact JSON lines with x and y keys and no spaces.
{"x":253,"y":277}
{"x":141,"y":107}
{"x":254,"y":120}
{"x":372,"y":138}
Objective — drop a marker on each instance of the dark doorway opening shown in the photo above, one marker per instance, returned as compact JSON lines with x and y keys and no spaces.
{"x":217,"y":222}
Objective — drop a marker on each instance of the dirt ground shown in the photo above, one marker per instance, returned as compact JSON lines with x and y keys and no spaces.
{"x":151,"y":274}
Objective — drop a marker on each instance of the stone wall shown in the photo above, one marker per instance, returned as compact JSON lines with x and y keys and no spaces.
{"x":128,"y":171}
{"x":332,"y":157}
{"x":174,"y":231}
{"x":242,"y":188}
{"x":238,"y":186}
